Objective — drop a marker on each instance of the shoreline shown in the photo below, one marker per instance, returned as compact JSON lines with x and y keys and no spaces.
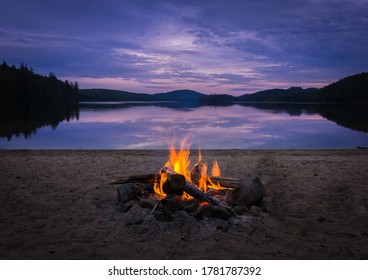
{"x":57,"y":204}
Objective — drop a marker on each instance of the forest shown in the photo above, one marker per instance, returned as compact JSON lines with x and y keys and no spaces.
{"x":21,"y":87}
{"x":29,"y":101}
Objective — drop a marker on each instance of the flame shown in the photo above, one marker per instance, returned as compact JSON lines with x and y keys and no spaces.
{"x":199,"y":156}
{"x":216,"y":169}
{"x":179,"y":162}
{"x":158,"y":186}
{"x":202,"y":184}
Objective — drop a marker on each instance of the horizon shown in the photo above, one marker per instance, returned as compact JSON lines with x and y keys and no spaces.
{"x":185,"y":89}
{"x":212,"y":47}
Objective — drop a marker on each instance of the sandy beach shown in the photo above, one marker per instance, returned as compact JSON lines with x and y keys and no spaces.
{"x":58,"y":204}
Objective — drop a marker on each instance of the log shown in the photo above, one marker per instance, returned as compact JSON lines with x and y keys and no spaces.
{"x":196,"y":172}
{"x":128,"y":191}
{"x":198,"y":169}
{"x":174,"y":183}
{"x":227,"y":182}
{"x":135,"y":178}
{"x":193,"y":191}
{"x":216,"y":211}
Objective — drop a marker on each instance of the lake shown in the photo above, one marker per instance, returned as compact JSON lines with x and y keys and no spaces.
{"x":124,"y":125}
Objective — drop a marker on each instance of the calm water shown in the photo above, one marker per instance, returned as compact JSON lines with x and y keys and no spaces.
{"x":153,"y":126}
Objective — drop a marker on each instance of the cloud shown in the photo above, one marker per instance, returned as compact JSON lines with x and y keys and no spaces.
{"x":209,"y":46}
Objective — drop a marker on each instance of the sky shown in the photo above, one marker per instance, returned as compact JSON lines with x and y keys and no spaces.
{"x":232,"y":47}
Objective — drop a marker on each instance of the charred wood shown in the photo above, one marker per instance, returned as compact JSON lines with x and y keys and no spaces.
{"x":228,"y":182}
{"x":174,"y":183}
{"x":135,"y":178}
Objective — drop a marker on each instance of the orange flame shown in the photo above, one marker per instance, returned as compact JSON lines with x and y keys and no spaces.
{"x":179,"y":162}
{"x":216,"y":169}
{"x":202,"y":184}
{"x":158,"y":186}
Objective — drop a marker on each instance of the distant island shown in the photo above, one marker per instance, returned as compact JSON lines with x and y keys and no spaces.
{"x":351,"y":90}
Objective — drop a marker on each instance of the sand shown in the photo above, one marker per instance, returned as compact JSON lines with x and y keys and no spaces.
{"x":59,"y":205}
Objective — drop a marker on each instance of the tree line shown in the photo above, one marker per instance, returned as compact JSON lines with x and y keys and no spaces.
{"x":29,"y":101}
{"x":349,"y":90}
{"x":21,"y":87}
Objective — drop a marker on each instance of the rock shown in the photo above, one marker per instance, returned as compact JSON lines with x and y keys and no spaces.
{"x":135,"y":221}
{"x":268,"y":207}
{"x":215,"y":211}
{"x":172,"y":203}
{"x":241,"y":209}
{"x":128,"y":191}
{"x":125,"y":207}
{"x":191,"y":206}
{"x":148,"y":203}
{"x":242,"y":224}
{"x":255,"y":211}
{"x":163,"y":216}
{"x":250,"y":192}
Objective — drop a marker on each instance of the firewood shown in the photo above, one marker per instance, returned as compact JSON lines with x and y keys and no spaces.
{"x":227,"y":182}
{"x":198,"y":169}
{"x":128,"y":191}
{"x":174,"y":183}
{"x":193,"y":191}
{"x":135,"y":178}
{"x":195,"y":174}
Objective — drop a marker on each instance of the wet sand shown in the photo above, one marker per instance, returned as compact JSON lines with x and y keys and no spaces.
{"x":58,"y":205}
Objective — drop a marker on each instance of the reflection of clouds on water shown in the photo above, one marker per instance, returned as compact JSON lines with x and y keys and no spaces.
{"x":151,"y":127}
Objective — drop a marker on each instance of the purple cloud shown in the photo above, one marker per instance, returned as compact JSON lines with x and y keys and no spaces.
{"x":210,"y":46}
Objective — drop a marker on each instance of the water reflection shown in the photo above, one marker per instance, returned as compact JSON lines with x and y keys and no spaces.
{"x":147,"y":125}
{"x":26,"y":121}
{"x":347,"y":115}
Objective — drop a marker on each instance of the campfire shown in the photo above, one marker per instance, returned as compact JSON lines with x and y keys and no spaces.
{"x":180,"y":186}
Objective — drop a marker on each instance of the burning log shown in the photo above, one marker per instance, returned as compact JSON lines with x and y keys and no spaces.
{"x":227,"y":182}
{"x":174,"y":183}
{"x":191,"y":189}
{"x":197,"y":171}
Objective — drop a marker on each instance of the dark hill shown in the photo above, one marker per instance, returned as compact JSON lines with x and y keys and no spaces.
{"x":293,"y":94}
{"x":112,"y":95}
{"x":352,"y":89}
{"x":180,"y":95}
{"x":118,"y":95}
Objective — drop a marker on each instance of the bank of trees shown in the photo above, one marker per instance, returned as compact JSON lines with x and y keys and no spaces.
{"x":21,"y":87}
{"x":29,"y":101}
